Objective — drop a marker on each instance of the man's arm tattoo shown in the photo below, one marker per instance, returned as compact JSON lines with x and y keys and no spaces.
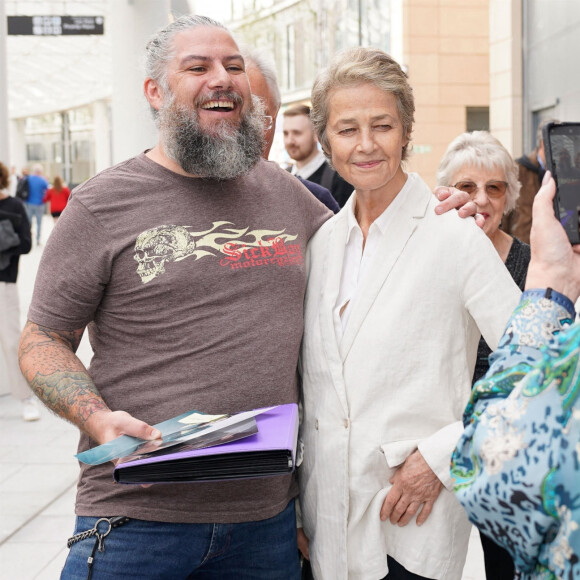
{"x":70,"y":395}
{"x":44,"y":336}
{"x":56,"y":375}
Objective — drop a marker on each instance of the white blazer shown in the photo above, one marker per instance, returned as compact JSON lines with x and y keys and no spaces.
{"x":399,"y":380}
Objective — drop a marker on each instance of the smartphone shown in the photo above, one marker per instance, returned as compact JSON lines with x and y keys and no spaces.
{"x":562,"y":149}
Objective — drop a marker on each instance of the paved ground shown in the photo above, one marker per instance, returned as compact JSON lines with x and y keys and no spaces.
{"x":38,"y":474}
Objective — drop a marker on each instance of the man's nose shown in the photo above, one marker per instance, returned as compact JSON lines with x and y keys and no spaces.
{"x":220,"y":78}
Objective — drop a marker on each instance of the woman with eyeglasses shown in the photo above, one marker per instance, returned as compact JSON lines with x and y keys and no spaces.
{"x":479,"y":164}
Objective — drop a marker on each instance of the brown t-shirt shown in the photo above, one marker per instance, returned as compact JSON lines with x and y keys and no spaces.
{"x":192,"y":290}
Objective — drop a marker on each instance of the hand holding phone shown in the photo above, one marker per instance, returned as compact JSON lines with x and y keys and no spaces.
{"x":562,"y":149}
{"x":555,"y":263}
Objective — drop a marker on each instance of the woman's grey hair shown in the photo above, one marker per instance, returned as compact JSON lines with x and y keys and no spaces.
{"x":482,"y":150}
{"x":259,"y":59}
{"x":160,"y":48}
{"x":357,"y":66}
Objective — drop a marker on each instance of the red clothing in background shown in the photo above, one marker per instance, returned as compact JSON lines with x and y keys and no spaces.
{"x":58,"y":199}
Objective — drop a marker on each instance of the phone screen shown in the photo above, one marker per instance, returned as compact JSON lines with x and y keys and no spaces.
{"x":563,"y":160}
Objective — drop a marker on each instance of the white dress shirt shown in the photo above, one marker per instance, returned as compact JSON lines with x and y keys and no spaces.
{"x":358,"y":259}
{"x":307,"y":170}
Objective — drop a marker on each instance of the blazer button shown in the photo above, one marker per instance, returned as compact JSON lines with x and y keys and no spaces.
{"x":346,"y":423}
{"x":316,"y":424}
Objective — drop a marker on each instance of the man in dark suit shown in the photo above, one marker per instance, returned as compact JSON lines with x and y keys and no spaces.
{"x":264,"y":84}
{"x":531,"y":167}
{"x":302,"y":146}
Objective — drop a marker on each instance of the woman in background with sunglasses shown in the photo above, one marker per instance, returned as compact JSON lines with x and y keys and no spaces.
{"x":479,"y":164}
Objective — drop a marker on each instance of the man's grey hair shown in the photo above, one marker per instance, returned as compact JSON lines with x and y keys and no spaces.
{"x":539,"y":136}
{"x":482,"y":150}
{"x":258,"y":58}
{"x":160,"y":48}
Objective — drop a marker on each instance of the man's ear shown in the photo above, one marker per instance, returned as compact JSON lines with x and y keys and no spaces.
{"x":153,"y":93}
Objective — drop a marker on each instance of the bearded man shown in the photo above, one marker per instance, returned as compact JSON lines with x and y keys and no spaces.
{"x":186,"y":264}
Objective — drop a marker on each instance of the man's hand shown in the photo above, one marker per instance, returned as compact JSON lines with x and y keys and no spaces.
{"x":303,"y":543}
{"x":106,"y":425}
{"x":555,"y":262}
{"x":414,"y":485}
{"x":452,"y":198}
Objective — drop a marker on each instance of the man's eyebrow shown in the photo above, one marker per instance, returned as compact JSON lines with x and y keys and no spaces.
{"x":202,"y":58}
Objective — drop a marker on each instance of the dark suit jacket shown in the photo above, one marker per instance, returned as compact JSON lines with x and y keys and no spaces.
{"x":321,"y":194}
{"x":331,"y":180}
{"x":518,"y":222}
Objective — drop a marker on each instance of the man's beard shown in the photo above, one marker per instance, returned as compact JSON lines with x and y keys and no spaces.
{"x":229,"y":151}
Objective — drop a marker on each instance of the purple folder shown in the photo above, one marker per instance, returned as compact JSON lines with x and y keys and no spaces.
{"x":271,"y":451}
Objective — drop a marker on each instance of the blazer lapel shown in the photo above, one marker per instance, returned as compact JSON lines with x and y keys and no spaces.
{"x":401,"y":228}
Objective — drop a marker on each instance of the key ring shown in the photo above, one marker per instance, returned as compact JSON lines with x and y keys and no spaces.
{"x":113,"y":522}
{"x":96,"y":527}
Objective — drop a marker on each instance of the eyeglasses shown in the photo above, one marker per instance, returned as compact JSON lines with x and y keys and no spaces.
{"x":493,"y":189}
{"x":268,"y":122}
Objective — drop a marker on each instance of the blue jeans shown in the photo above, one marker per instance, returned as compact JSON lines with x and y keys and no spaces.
{"x":264,"y":550}
{"x":36,"y":212}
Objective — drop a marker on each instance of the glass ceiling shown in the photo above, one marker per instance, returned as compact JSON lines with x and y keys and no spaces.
{"x":54,"y":73}
{"x":47,"y":74}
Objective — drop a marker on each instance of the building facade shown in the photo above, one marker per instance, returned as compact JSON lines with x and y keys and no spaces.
{"x":73,"y":106}
{"x":443,"y":45}
{"x":550,"y":63}
{"x":474,"y":64}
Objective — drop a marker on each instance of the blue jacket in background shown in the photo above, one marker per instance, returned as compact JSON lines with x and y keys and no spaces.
{"x":37,"y":187}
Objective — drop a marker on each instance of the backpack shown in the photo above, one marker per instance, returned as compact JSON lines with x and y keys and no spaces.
{"x":22,"y":189}
{"x":8,"y":239}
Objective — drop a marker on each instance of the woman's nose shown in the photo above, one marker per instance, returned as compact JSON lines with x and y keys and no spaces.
{"x":480,"y":196}
{"x":366,"y":142}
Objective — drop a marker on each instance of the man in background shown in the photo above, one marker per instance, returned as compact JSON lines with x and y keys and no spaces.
{"x":37,"y":186}
{"x":302,"y":146}
{"x":264,"y":84}
{"x":531,"y":172}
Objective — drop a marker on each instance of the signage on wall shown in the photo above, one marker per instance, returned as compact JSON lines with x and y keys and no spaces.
{"x":55,"y":25}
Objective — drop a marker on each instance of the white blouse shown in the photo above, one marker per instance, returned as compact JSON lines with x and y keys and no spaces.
{"x":358,"y":260}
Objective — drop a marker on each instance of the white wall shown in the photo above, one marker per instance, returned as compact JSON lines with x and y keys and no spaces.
{"x":133,"y":23}
{"x":551,"y":65}
{"x":505,"y":73}
{"x":4,"y":142}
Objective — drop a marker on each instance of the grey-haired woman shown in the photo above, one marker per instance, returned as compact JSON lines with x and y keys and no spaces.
{"x":394,"y":309}
{"x":480,"y":165}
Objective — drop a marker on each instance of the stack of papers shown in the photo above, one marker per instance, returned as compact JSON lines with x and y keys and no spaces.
{"x":199,"y":447}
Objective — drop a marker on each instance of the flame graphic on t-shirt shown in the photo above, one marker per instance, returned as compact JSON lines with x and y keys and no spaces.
{"x":170,"y":243}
